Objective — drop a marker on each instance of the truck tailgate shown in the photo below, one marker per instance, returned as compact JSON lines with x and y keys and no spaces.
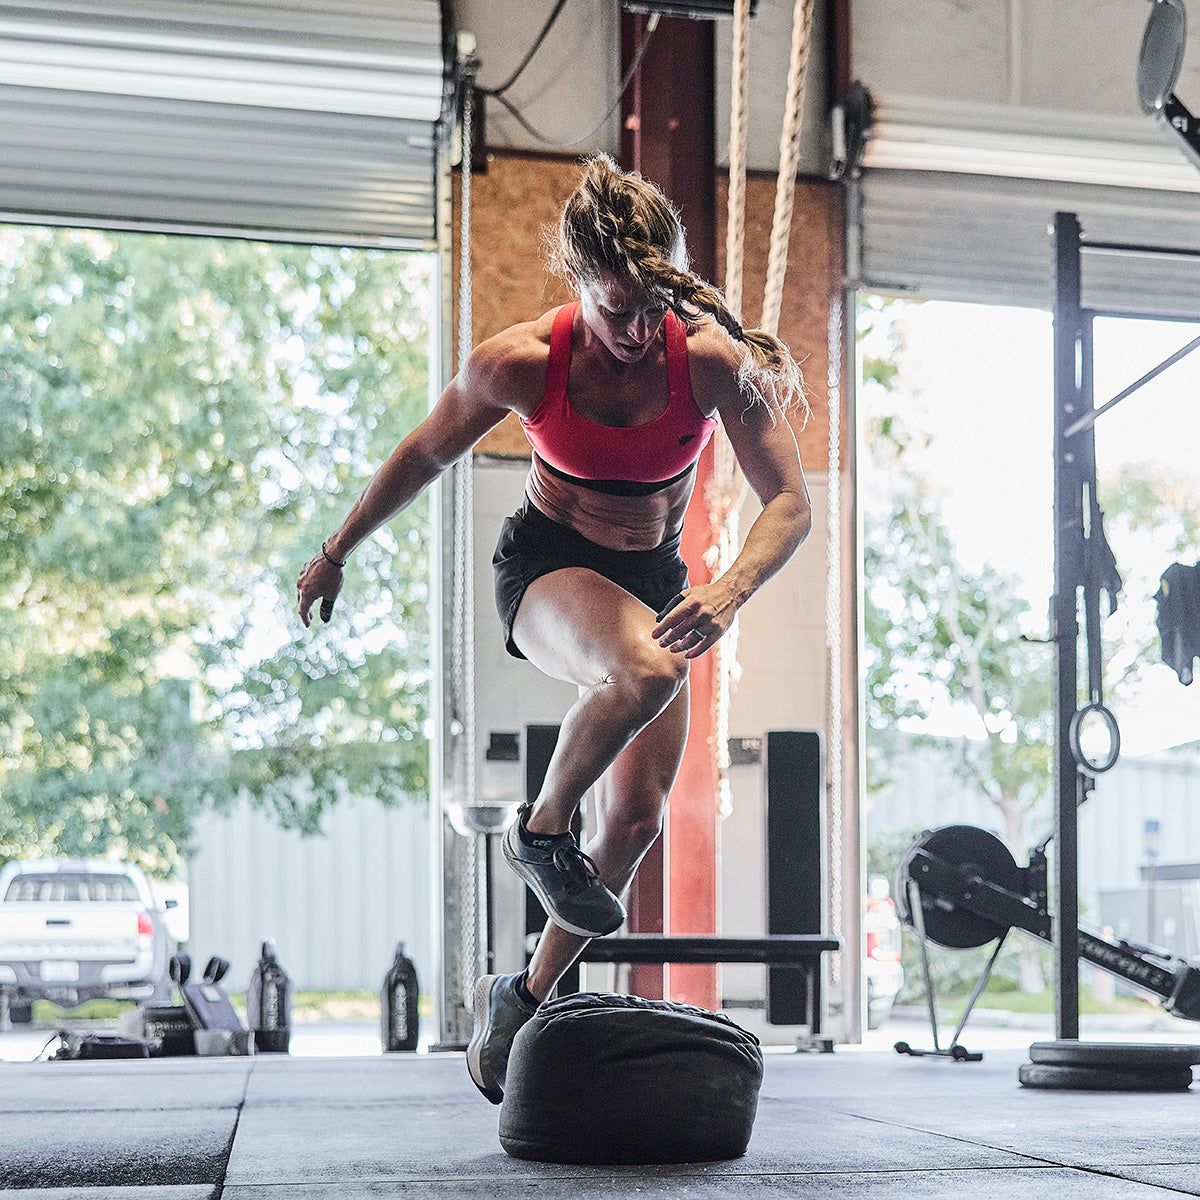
{"x":55,"y":930}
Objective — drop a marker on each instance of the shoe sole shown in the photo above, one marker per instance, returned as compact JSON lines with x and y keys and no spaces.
{"x":532,"y":880}
{"x":492,"y":1092}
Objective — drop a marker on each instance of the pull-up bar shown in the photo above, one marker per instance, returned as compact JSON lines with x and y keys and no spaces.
{"x":1145,"y":251}
{"x":1089,"y":419}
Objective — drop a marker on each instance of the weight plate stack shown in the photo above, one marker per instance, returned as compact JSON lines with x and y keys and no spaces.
{"x":1110,"y":1066}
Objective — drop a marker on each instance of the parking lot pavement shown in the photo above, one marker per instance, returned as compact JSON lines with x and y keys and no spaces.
{"x":331,"y":1039}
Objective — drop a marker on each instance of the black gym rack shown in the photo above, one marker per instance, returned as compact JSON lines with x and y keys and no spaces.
{"x":959,"y":886}
{"x":1083,"y":564}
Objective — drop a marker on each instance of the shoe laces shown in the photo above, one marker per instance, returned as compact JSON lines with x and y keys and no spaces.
{"x":578,"y":869}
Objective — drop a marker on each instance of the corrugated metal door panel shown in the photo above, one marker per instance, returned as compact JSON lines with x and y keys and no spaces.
{"x":986,"y":239}
{"x":301,"y":120}
{"x":282,"y":27}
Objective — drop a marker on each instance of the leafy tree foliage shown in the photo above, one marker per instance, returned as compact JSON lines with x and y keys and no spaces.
{"x":181,"y":422}
{"x":940,"y":636}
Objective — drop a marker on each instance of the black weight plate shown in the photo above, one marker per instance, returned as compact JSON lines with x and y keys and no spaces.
{"x":973,"y":851}
{"x":1103,"y":1079}
{"x":1122,"y":1056}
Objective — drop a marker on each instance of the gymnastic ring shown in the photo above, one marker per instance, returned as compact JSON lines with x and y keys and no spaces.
{"x":1094,"y":766}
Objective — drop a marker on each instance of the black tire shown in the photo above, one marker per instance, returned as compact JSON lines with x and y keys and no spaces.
{"x":1104,"y":1079}
{"x":878,"y":1013}
{"x":1121,"y":1056}
{"x":602,"y":1079}
{"x":20,"y":1012}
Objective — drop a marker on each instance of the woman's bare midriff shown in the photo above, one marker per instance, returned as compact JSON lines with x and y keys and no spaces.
{"x":618,"y":522}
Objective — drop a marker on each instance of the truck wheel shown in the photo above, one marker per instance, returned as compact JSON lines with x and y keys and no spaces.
{"x":20,"y":1013}
{"x":878,"y":1013}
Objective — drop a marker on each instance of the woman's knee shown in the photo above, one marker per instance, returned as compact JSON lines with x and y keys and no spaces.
{"x":635,"y":823}
{"x":651,"y":680}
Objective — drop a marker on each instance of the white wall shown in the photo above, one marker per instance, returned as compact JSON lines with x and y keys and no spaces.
{"x":783,"y":686}
{"x":1070,"y":56}
{"x":574,"y":77}
{"x":569,"y":82}
{"x":1030,"y":68}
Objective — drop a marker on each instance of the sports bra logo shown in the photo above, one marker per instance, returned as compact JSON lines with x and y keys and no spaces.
{"x":687,"y":437}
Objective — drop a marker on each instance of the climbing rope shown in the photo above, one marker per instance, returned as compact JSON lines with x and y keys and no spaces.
{"x":472,"y":914}
{"x":727,"y":489}
{"x":833,"y":627}
{"x":789,"y":163}
{"x":735,"y":227}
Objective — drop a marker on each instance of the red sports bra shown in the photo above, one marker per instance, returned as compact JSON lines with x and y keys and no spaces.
{"x":633,"y":460}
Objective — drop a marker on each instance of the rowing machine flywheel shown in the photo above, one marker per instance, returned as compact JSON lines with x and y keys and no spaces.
{"x":972,"y":852}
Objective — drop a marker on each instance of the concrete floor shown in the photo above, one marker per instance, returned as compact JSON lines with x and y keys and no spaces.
{"x":333,"y":1128}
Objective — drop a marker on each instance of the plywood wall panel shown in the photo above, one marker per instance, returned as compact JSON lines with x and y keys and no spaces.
{"x":513,"y":205}
{"x":813,"y":278}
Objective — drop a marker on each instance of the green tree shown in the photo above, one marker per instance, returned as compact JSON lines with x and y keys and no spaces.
{"x":942,"y":636}
{"x":181,"y":422}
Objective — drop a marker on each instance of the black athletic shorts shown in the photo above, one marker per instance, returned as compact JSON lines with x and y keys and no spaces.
{"x":532,"y":545}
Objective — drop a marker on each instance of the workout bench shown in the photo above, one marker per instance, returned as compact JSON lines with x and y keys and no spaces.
{"x":799,"y":950}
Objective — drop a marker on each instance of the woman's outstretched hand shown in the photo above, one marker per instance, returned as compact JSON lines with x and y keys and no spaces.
{"x":320,"y":580}
{"x":695,"y":620}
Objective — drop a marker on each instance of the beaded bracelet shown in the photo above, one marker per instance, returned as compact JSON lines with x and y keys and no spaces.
{"x":333,"y":562}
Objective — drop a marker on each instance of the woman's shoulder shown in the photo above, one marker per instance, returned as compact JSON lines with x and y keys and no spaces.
{"x":714,"y":358}
{"x":511,"y":364}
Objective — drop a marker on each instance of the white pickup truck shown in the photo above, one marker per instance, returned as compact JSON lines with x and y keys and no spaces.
{"x":76,"y":929}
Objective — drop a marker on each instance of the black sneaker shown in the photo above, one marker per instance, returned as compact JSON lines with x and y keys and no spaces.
{"x":499,"y":1013}
{"x":565,"y":880}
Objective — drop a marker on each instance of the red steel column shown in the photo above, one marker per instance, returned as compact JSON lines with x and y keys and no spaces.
{"x":669,"y":135}
{"x":692,"y":851}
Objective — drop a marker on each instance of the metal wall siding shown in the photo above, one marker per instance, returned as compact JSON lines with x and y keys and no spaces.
{"x":1111,"y":824}
{"x":335,"y":904}
{"x":298,"y":120}
{"x":986,"y":239}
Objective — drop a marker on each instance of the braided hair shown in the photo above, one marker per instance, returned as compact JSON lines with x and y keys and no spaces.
{"x":618,"y":222}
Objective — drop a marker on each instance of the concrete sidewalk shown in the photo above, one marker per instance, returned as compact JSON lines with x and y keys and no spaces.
{"x":333,"y":1128}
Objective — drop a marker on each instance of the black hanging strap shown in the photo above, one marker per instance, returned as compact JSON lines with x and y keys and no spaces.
{"x":1178,"y":598}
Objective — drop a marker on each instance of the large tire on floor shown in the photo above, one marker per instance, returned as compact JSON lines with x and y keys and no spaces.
{"x":20,"y":1012}
{"x":1104,"y":1079}
{"x":601,"y":1079}
{"x":1121,"y":1056}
